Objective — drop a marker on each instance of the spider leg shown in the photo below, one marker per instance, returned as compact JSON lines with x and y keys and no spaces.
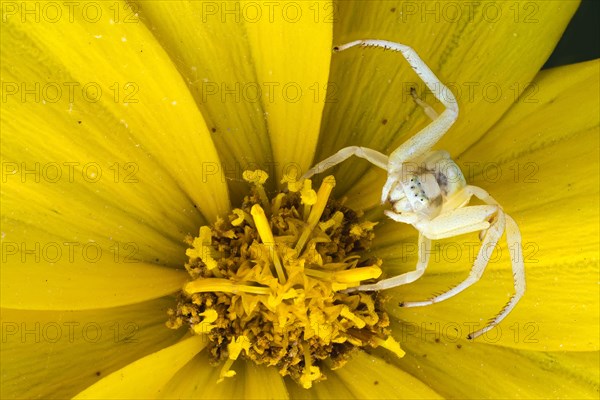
{"x":428,"y":136}
{"x":458,"y":222}
{"x":439,"y":90}
{"x":513,"y":238}
{"x":408,"y":277}
{"x":424,"y":140}
{"x":513,"y":235}
{"x":490,"y":240}
{"x":373,"y":156}
{"x":431,"y":113}
{"x":405,"y":218}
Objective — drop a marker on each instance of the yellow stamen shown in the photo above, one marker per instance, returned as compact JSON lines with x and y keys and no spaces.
{"x":315,"y":214}
{"x":226,"y":372}
{"x":390,"y":344}
{"x":258,"y":178}
{"x":206,"y":325}
{"x":203,"y":248}
{"x":273,"y":301}
{"x":311,"y":372}
{"x":349,"y":263}
{"x":338,"y":287}
{"x":293,"y":184}
{"x":322,"y":198}
{"x":234,"y":348}
{"x":201,"y":285}
{"x":264,"y":231}
{"x":346,"y":313}
{"x":358,"y":274}
{"x":308,"y":197}
{"x":358,"y":229}
{"x":347,"y":275}
{"x":320,"y":327}
{"x":277,"y":203}
{"x":241,"y":217}
{"x":334,"y":221}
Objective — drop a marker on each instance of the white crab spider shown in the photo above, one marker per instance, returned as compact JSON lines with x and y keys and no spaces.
{"x":427,"y":190}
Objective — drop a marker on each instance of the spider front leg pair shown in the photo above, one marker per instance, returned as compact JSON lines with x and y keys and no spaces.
{"x":413,"y":147}
{"x":427,"y":190}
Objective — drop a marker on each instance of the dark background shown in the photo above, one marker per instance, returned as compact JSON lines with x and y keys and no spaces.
{"x":581,"y":39}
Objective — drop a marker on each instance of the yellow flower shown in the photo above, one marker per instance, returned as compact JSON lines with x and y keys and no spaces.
{"x":119,"y":121}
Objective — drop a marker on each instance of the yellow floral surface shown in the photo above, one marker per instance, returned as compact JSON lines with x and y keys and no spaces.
{"x":127,"y":125}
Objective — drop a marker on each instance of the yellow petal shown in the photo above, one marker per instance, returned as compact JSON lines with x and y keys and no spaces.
{"x":146,"y":377}
{"x":198,"y":380}
{"x":209,"y":47}
{"x":44,"y":270}
{"x":56,"y":354}
{"x":291,"y":50}
{"x":263,"y":383}
{"x":544,"y":169}
{"x":366,"y":193}
{"x":332,"y":388}
{"x":460,"y":369}
{"x":80,"y":213}
{"x":370,"y":377}
{"x":486,"y":52}
{"x":128,"y":107}
{"x":559,"y":311}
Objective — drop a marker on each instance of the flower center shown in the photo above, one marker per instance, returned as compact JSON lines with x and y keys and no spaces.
{"x":270,"y":283}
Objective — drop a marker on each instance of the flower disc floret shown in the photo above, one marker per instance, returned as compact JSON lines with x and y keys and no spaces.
{"x":269,"y":283}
